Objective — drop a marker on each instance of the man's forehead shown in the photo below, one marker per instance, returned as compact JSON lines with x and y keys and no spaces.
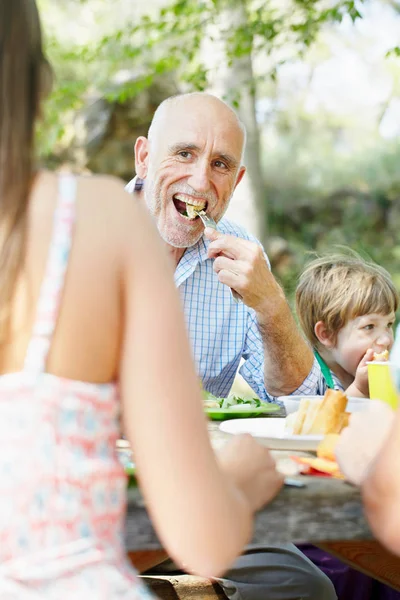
{"x":204,"y":131}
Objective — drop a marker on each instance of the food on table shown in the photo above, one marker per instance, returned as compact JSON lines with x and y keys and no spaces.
{"x":318,"y":466}
{"x":326,"y":448}
{"x":325,"y":416}
{"x":232,"y":402}
{"x":382,"y":356}
{"x":211,"y":401}
{"x":290,"y":421}
{"x":325,"y":464}
{"x":319,"y":417}
{"x":211,"y":404}
{"x":343,"y":421}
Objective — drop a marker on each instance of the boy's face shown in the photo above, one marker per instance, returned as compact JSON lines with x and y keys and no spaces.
{"x":358,"y":335}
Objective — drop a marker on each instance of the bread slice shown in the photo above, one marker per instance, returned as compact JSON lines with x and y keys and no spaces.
{"x":312,"y":416}
{"x":343,"y":422}
{"x":290,"y":422}
{"x":325,"y":416}
{"x":301,"y":415}
{"x":326,"y":448}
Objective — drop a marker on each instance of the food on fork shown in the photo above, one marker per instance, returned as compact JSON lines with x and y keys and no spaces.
{"x":193,"y":211}
{"x":381,"y":356}
{"x":320,"y":417}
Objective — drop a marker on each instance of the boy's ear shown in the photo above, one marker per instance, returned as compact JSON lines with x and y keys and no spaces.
{"x":323,"y":335}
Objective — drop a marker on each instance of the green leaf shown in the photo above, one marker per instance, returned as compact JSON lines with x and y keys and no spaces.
{"x":393,"y":52}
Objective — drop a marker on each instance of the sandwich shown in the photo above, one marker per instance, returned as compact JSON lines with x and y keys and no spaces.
{"x":321,"y":416}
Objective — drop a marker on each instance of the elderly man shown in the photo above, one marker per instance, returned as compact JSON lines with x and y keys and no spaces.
{"x":193,"y":158}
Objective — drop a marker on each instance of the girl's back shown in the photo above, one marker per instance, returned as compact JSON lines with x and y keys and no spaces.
{"x":87,"y":339}
{"x":86,"y":300}
{"x":62,"y":490}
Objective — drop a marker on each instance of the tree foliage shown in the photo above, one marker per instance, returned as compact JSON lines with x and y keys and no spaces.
{"x":318,"y":194}
{"x":123,"y":62}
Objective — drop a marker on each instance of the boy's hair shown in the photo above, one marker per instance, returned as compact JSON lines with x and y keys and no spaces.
{"x":337,"y":288}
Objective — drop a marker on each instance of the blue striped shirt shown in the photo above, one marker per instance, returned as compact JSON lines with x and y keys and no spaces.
{"x":320,"y":386}
{"x":222,"y":332}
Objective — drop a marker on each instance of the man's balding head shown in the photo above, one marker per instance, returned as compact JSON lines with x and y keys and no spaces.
{"x":193,"y":155}
{"x":173,"y":106}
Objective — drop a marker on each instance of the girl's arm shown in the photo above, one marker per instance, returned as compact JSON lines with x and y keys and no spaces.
{"x":202,"y":512}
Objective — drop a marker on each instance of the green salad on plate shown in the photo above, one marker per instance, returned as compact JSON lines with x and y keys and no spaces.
{"x":234,"y":407}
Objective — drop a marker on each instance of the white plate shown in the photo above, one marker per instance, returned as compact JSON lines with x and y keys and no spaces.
{"x":271,"y":433}
{"x":292,"y":403}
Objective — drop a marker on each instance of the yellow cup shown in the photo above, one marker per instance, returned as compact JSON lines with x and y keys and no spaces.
{"x":381,"y":385}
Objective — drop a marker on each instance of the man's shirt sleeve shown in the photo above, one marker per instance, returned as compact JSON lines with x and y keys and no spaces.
{"x":253,"y":368}
{"x":315,"y":383}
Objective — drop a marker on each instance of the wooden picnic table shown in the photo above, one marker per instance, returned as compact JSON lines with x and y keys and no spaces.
{"x":326,"y":512}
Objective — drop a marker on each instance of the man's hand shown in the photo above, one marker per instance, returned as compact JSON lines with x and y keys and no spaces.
{"x":241,"y":265}
{"x":251,"y":469}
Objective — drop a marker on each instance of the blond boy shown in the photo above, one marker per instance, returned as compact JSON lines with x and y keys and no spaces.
{"x":346,"y":307}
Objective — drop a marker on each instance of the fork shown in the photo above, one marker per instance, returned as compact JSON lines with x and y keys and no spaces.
{"x":209,"y":222}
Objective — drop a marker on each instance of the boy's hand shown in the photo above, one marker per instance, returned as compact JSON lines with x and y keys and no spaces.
{"x":361,"y":379}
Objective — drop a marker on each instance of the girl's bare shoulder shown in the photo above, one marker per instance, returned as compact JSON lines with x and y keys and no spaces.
{"x":104,"y":209}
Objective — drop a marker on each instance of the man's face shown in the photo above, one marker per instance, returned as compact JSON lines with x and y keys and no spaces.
{"x":193,"y":158}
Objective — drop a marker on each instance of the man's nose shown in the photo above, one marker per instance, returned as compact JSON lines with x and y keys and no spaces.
{"x":199,"y":178}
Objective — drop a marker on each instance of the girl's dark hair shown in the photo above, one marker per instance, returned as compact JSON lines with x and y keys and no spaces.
{"x":25,"y":77}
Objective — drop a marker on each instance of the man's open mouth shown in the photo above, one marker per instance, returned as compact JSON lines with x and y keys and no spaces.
{"x":188,"y":207}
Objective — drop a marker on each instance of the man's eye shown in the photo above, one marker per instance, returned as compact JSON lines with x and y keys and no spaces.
{"x":220,"y":164}
{"x":185,"y":154}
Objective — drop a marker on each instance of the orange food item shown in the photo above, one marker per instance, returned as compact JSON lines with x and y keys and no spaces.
{"x":326,"y":448}
{"x":319,"y":466}
{"x":316,"y":417}
{"x":343,"y":422}
{"x":382,"y":356}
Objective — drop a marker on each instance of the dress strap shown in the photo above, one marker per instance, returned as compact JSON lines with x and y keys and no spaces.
{"x":53,"y":282}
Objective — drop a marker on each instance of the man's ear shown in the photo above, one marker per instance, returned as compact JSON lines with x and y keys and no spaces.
{"x":239,"y":177}
{"x":141,"y":157}
{"x":323,"y":335}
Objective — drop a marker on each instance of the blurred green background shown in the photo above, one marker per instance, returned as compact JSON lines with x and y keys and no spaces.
{"x":317,"y":84}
